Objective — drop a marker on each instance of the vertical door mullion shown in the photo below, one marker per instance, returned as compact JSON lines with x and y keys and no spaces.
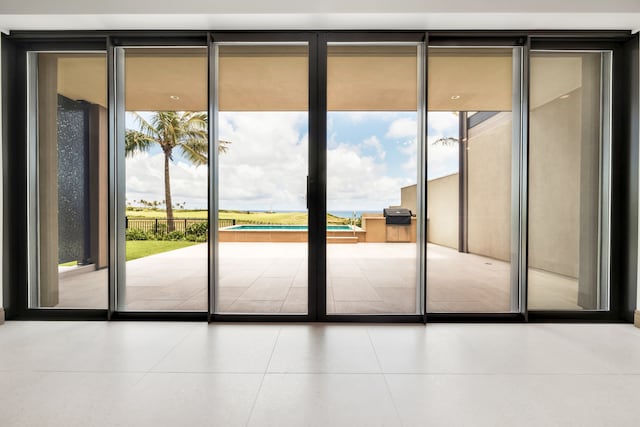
{"x":111,"y":92}
{"x":524,"y":180}
{"x":423,"y":109}
{"x":33,"y":220}
{"x":516,"y":182}
{"x":318,"y":181}
{"x":213,"y":176}
{"x":117,"y":193}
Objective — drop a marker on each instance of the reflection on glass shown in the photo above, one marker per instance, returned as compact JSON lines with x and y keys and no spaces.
{"x":566,"y":186}
{"x":71,"y":193}
{"x":372,"y":165}
{"x":262,"y":127}
{"x":469,"y":180}
{"x":166,"y":145}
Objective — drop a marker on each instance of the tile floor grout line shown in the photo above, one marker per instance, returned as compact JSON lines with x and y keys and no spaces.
{"x":264,"y":375}
{"x":512,"y":374}
{"x":169,"y":351}
{"x":425,"y":374}
{"x":284,"y":299}
{"x":384,"y":377}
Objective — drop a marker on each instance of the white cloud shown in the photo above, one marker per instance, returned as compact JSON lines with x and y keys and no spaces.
{"x":356,"y":181}
{"x":267,"y":162}
{"x":442,"y":160}
{"x":374,"y":143}
{"x":410,"y":149}
{"x":403,"y":128}
{"x":145,"y":180}
{"x":443,"y":124}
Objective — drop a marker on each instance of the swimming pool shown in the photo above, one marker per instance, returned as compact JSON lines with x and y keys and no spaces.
{"x":253,"y":227}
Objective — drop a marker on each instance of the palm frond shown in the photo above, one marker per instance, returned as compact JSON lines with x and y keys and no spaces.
{"x":146,"y":128}
{"x":446,"y":141}
{"x":171,"y":129}
{"x":136,"y":142}
{"x":196,"y":150}
{"x":223,"y":145}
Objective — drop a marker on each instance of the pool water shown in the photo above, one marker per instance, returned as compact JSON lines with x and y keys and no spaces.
{"x":249,"y":227}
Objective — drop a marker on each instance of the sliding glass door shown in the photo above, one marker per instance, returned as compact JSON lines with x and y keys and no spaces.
{"x":321,"y":176}
{"x":259,"y":184}
{"x":569,"y":189}
{"x":473,"y":182}
{"x":163,"y":146}
{"x":374,"y":152}
{"x":68,"y":180}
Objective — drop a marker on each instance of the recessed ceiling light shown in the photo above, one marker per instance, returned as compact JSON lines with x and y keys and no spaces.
{"x":565,"y":96}
{"x":455,"y":96}
{"x":174,"y":97}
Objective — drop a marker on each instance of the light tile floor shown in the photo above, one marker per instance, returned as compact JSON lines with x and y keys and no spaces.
{"x":363,"y":278}
{"x":193,"y":374}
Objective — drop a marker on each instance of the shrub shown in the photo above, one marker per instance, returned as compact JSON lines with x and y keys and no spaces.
{"x":136,"y":234}
{"x":197,"y":232}
{"x":173,"y":235}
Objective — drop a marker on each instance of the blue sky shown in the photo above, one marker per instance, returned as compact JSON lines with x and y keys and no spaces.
{"x":371,"y":155}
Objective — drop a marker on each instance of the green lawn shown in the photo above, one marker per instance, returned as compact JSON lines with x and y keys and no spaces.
{"x":69,"y":264}
{"x":142,"y":248}
{"x":276,"y":218}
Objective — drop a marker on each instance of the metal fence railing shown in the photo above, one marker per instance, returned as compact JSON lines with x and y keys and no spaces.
{"x":162,"y":225}
{"x":226,"y":222}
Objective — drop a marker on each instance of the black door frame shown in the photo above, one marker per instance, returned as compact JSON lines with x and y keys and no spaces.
{"x":624,"y":197}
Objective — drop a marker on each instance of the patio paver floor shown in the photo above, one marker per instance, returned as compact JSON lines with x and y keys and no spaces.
{"x":376,"y":278}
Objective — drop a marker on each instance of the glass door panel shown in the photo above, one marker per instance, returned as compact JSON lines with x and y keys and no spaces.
{"x":262,"y":167}
{"x":373,"y":152}
{"x":569,"y":181}
{"x":68,"y":180}
{"x":165,"y":141}
{"x":470,"y":180}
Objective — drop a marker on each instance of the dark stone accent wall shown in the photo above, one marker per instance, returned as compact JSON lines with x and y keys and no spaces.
{"x":73,"y":180}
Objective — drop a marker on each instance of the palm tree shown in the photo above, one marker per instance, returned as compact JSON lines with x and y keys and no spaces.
{"x":446,"y":141}
{"x":184,"y":131}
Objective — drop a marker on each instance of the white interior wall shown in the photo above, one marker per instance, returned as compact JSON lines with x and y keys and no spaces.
{"x":327,"y":14}
{"x":326,"y":6}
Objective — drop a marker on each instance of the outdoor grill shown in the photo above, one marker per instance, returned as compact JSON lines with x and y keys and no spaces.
{"x":397,"y":216}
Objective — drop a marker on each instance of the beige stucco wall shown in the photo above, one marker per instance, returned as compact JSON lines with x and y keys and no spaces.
{"x":408,"y":198}
{"x":442,"y":211}
{"x":489,"y":187}
{"x":554,"y":210}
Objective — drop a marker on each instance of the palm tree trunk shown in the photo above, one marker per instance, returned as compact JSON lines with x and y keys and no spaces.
{"x":167,"y":194}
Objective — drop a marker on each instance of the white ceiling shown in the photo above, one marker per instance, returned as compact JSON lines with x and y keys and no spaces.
{"x":327,"y":14}
{"x":268,"y":78}
{"x":325,"y":6}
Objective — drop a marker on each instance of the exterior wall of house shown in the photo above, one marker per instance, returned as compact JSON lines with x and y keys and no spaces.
{"x":554,"y":210}
{"x":442,"y":211}
{"x":408,"y":198}
{"x":489,"y":188}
